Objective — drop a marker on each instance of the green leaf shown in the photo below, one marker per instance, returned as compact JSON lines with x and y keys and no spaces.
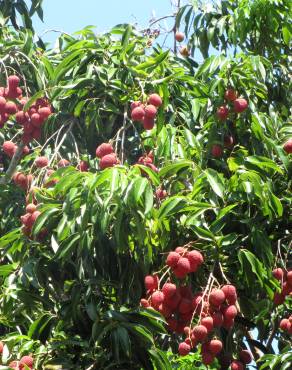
{"x":215,"y":182}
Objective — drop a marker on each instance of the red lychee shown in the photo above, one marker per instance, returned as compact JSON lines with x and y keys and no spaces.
{"x":200,"y":332}
{"x":230,"y":293}
{"x":183,"y":265}
{"x":172,"y":259}
{"x":155,"y":99}
{"x":230,"y":312}
{"x":144,"y":303}
{"x":207,"y":358}
{"x":240,"y":105}
{"x":228,"y":323}
{"x":217,"y":297}
{"x":179,"y":36}
{"x":215,"y":346}
{"x":230,"y":95}
{"x":109,"y":160}
{"x":196,"y":259}
{"x":288,"y":146}
{"x":21,"y":117}
{"x":83,"y":166}
{"x":222,"y":113}
{"x":185,"y":306}
{"x":245,"y":356}
{"x":208,"y":323}
{"x":26,"y":360}
{"x":157,"y":298}
{"x":236,"y":365}
{"x":151,"y":282}
{"x":30,"y":208}
{"x":63,"y":163}
{"x":148,"y":123}
{"x":168,"y":290}
{"x":13,"y":81}
{"x":44,"y":113}
{"x":289,"y":278}
{"x":217,"y":318}
{"x":10,"y":107}
{"x":228,"y":141}
{"x":174,"y":301}
{"x":150,"y":111}
{"x":36,"y":120}
{"x":41,"y":162}
{"x":184,"y":349}
{"x":2,"y":104}
{"x":9,"y":148}
{"x":35,"y":216}
{"x":172,"y":324}
{"x":217,"y":151}
{"x":104,"y":149}
{"x":137,"y":114}
{"x":1,"y":347}
{"x":278,"y":273}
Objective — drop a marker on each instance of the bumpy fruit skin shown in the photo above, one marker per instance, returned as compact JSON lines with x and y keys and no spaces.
{"x":30,"y":208}
{"x":151,"y":282}
{"x":13,"y":81}
{"x":208,"y":323}
{"x":230,"y":293}
{"x":104,"y":149}
{"x":236,"y":365}
{"x":9,"y":148}
{"x":144,"y":303}
{"x":185,"y":306}
{"x":200,"y":332}
{"x":138,"y":114}
{"x":14,"y":365}
{"x":230,"y":312}
{"x":10,"y":107}
{"x":284,"y":324}
{"x":44,"y":112}
{"x":278,"y":273}
{"x":83,"y":166}
{"x":217,"y":319}
{"x":245,"y":356}
{"x":157,"y":298}
{"x":215,"y":346}
{"x":21,"y":117}
{"x":222,"y":113}
{"x":172,"y":259}
{"x":135,"y":104}
{"x":288,"y":146}
{"x":26,"y":360}
{"x":217,"y":151}
{"x":240,"y":105}
{"x":155,"y":99}
{"x":41,"y":162}
{"x":217,"y":297}
{"x":148,"y":123}
{"x":184,"y":349}
{"x":2,"y":104}
{"x":196,"y":259}
{"x":230,"y":95}
{"x":109,"y":160}
{"x":63,"y":163}
{"x":179,"y":36}
{"x":168,"y":290}
{"x":183,"y":265}
{"x":150,"y":111}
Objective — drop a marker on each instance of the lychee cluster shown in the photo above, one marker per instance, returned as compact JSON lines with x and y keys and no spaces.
{"x":286,"y":325}
{"x":29,"y":218}
{"x":161,"y":193}
{"x":32,"y":119}
{"x":285,"y":278}
{"x":26,"y":362}
{"x":183,"y":262}
{"x":245,"y":358}
{"x":146,"y":113}
{"x":108,"y":158}
{"x":147,"y":160}
{"x":232,"y":104}
{"x":9,"y":148}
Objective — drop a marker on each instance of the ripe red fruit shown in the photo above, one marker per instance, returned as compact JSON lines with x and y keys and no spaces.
{"x":215,"y":346}
{"x":230,"y":312}
{"x":30,"y":208}
{"x":196,"y":259}
{"x":150,"y":111}
{"x":278,"y":274}
{"x":148,"y":123}
{"x":200,"y":332}
{"x":284,"y":324}
{"x":83,"y":166}
{"x":279,"y":298}
{"x":44,"y":113}
{"x":9,"y":148}
{"x":10,"y":107}
{"x":288,"y":146}
{"x":104,"y":149}
{"x":184,"y":349}
{"x":236,"y":365}
{"x":172,"y":259}
{"x":172,"y":324}
{"x":41,"y":162}
{"x":217,"y":297}
{"x":228,"y":141}
{"x":217,"y":319}
{"x":13,"y":81}
{"x":217,"y":151}
{"x":174,"y":301}
{"x":197,"y":303}
{"x":34,"y":216}
{"x":222,"y":113}
{"x":245,"y":356}
{"x":183,"y":265}
{"x":2,"y":104}
{"x":107,"y":161}
{"x":1,"y":347}
{"x":179,"y":36}
{"x":144,"y":303}
{"x":181,"y":250}
{"x":186,"y":292}
{"x":155,"y":99}
{"x":36,"y":134}
{"x":157,"y":298}
{"x":36,"y":120}
{"x":230,"y":95}
{"x":151,"y":282}
{"x":207,"y":357}
{"x":208,"y":323}
{"x":228,"y":323}
{"x":230,"y":293}
{"x":289,"y":278}
{"x":26,"y":360}
{"x":63,"y":163}
{"x":240,"y":105}
{"x":21,"y":117}
{"x":135,"y":104}
{"x":161,"y":193}
{"x":137,"y":114}
{"x":286,"y":288}
{"x":168,"y":290}
{"x":185,"y":306}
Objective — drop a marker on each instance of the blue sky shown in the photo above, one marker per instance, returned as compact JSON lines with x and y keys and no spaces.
{"x":73,"y":15}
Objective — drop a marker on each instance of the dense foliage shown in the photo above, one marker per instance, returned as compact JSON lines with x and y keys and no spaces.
{"x":70,"y":292}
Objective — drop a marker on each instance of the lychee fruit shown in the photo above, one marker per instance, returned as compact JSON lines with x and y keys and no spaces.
{"x":148,"y":123}
{"x":278,"y":273}
{"x":179,"y":36}
{"x":21,"y":117}
{"x":107,"y":161}
{"x":228,"y":141}
{"x":104,"y":149}
{"x":217,"y":151}
{"x":215,"y":346}
{"x":30,"y":208}
{"x":185,"y":306}
{"x":245,"y":356}
{"x":217,"y":297}
{"x":36,"y":120}
{"x":144,"y":303}
{"x":10,"y":107}
{"x":240,"y":105}
{"x":172,"y":259}
{"x":208,"y":323}
{"x":150,"y":111}
{"x":207,"y":358}
{"x":83,"y":166}
{"x":1,"y":347}
{"x":13,"y":81}
{"x":2,"y":104}
{"x":222,"y":113}
{"x":9,"y":148}
{"x":151,"y":282}
{"x":230,"y":95}
{"x":41,"y":162}
{"x":184,"y":349}
{"x":230,"y":293}
{"x":196,"y":259}
{"x":135,"y":104}
{"x":183,"y":265}
{"x":155,"y":99}
{"x":174,"y":301}
{"x":288,"y":146}
{"x":44,"y":113}
{"x":200,"y":332}
{"x":289,"y":278}
{"x":63,"y":163}
{"x":157,"y":298}
{"x":26,"y":360}
{"x":137,"y":114}
{"x":168,"y":290}
{"x":218,"y":318}
{"x":236,"y":365}
{"x":230,"y":312}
